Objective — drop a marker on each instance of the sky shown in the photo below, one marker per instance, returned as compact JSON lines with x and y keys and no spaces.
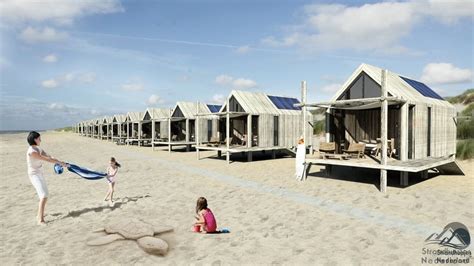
{"x":64,"y":61}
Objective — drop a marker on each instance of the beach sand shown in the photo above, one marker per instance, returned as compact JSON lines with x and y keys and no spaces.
{"x":273,"y":219}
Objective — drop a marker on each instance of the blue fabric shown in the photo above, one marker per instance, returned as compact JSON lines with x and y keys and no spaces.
{"x":86,"y":173}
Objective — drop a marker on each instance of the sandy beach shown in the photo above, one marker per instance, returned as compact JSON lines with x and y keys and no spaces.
{"x":273,"y":218}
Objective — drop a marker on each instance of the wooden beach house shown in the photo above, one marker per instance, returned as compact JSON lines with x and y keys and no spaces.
{"x":155,"y":125}
{"x":392,"y":123}
{"x":183,"y":125}
{"x":119,"y":129}
{"x":253,"y":121}
{"x":105,"y":124}
{"x":133,"y":121}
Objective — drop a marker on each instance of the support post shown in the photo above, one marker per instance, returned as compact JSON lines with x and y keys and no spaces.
{"x":128,"y":133}
{"x":328,"y":125}
{"x":169,"y":134}
{"x":383,"y":130}
{"x":403,"y":152}
{"x":139,"y":133}
{"x":227,"y":128}
{"x":196,"y":128}
{"x":187,"y":134}
{"x":303,"y":101}
{"x":249,"y":137}
{"x":153,"y":128}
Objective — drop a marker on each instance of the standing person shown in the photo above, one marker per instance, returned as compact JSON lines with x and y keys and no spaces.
{"x":111,"y":178}
{"x":205,"y":218}
{"x":34,"y":160}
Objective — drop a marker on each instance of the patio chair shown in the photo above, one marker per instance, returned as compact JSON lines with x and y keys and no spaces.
{"x":327,"y":147}
{"x":225,"y":141}
{"x":213,"y":142}
{"x":355,"y":149}
{"x":390,"y":147}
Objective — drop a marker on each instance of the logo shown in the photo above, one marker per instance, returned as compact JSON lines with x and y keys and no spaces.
{"x":454,"y":235}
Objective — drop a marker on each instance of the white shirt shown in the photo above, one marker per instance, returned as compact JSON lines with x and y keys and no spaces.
{"x":35,"y":166}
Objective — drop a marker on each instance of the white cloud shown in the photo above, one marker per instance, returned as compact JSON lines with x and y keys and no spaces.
{"x":154,"y":100}
{"x":448,"y":12}
{"x":57,"y":106}
{"x":218,"y":99}
{"x":62,"y":12}
{"x":370,"y":27}
{"x":331,"y":88}
{"x":445,"y":73}
{"x":241,"y":83}
{"x":224,"y":80}
{"x":133,"y":87}
{"x":49,"y":83}
{"x":37,"y":35}
{"x":51,"y":58}
{"x":235,"y":83}
{"x":68,"y":78}
{"x":88,"y":77}
{"x":243,"y":49}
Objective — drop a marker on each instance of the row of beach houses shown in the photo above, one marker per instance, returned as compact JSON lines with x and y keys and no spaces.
{"x":247,"y":122}
{"x":375,"y":108}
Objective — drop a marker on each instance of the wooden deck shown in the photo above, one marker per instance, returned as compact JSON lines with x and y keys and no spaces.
{"x":392,"y":164}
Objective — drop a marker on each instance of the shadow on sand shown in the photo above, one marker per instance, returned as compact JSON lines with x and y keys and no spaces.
{"x":117,"y":204}
{"x":256,"y":156}
{"x":370,"y":176}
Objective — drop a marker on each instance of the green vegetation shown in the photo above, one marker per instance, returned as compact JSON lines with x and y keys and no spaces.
{"x":465,"y":149}
{"x":465,"y":98}
{"x":465,"y":129}
{"x":319,"y":127}
{"x":465,"y":125}
{"x":65,"y":129}
{"x":468,"y":111}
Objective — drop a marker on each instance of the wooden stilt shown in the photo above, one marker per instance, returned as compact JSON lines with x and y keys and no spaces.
{"x":384,"y":126}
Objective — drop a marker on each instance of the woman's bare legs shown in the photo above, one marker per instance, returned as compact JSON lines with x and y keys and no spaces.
{"x":41,"y":207}
{"x":108,"y":193}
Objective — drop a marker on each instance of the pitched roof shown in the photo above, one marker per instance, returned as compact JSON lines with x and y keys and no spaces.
{"x":397,"y":85}
{"x":156,"y":113}
{"x":189,"y":109}
{"x":261,"y":103}
{"x":134,"y":116}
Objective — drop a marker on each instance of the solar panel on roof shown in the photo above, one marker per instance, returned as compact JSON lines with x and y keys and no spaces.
{"x":214,"y":108}
{"x":422,"y":88}
{"x":284,"y":102}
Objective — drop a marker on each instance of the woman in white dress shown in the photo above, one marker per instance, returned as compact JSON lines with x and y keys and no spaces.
{"x":34,"y":160}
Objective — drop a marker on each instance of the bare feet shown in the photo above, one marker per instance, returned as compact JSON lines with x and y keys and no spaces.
{"x":42,"y":223}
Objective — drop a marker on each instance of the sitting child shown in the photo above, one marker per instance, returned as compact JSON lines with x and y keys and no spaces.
{"x":206,"y":222}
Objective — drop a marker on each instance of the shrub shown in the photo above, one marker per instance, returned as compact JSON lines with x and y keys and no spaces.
{"x":465,"y":149}
{"x":465,"y":129}
{"x":319,"y":127}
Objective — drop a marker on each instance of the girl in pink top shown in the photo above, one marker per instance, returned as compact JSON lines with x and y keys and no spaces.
{"x":205,"y":218}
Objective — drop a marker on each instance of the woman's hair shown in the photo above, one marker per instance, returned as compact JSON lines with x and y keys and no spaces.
{"x":201,"y":204}
{"x":112,"y":159}
{"x":32,"y":136}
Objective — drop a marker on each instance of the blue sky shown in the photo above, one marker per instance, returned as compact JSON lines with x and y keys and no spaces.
{"x":64,"y":61}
